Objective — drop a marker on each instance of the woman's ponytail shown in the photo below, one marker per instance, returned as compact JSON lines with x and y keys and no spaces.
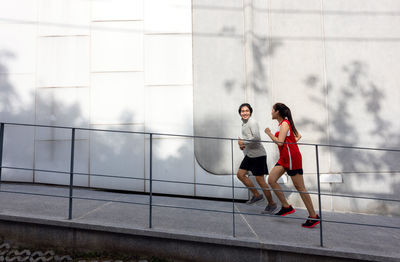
{"x":285,"y":113}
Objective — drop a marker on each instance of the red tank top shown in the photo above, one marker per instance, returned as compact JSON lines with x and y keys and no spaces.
{"x":289,"y":154}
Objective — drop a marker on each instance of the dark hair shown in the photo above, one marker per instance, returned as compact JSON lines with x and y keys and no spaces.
{"x":284,"y":112}
{"x":248,"y":106}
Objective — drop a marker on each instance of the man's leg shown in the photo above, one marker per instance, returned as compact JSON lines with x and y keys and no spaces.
{"x":241,"y":174}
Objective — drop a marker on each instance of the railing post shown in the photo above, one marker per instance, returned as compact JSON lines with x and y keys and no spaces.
{"x":71,"y":173}
{"x":1,"y":147}
{"x":151,"y":183}
{"x":233,"y":194}
{"x":319,"y":196}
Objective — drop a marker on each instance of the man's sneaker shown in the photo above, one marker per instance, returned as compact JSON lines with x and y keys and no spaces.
{"x":269,"y":209}
{"x":285,"y":211}
{"x":255,"y":199}
{"x":312,"y":222}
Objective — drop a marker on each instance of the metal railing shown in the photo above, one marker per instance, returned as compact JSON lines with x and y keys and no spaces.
{"x":151,"y":180}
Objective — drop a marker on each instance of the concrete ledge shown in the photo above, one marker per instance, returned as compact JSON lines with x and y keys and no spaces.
{"x":73,"y":236}
{"x":331,"y":178}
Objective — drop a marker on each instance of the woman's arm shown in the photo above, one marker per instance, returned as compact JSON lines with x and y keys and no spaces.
{"x":297,"y":137}
{"x":282,"y":134}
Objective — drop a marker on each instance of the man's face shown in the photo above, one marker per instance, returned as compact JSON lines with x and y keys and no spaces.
{"x":245,"y":113}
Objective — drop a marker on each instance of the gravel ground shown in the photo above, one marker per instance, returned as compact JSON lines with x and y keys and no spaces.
{"x":10,"y":253}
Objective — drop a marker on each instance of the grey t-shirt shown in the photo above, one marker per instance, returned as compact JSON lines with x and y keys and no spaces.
{"x":250,"y":131}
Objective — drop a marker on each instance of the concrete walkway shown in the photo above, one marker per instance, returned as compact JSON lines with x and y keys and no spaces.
{"x":273,"y":233}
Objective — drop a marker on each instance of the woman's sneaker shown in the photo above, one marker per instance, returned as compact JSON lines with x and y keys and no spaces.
{"x":285,"y":211}
{"x":311,"y":222}
{"x":255,"y":199}
{"x":269,"y":209}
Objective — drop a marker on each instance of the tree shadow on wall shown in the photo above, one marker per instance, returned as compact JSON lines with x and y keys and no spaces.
{"x":103,"y":153}
{"x":8,"y":96}
{"x":262,"y":50}
{"x":227,"y":16}
{"x":355,"y":111}
{"x":213,"y":156}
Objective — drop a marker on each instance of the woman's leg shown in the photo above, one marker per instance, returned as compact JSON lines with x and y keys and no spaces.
{"x":264,"y":186}
{"x":298,"y":182}
{"x":274,"y":175}
{"x":241,"y":174}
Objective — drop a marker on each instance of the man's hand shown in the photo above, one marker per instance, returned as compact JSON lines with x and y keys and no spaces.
{"x":241,"y":144}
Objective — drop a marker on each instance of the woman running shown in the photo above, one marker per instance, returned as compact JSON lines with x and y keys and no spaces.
{"x":290,"y":161}
{"x":255,"y":159}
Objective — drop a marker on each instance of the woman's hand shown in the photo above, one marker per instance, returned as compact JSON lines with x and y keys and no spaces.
{"x":269,"y":133}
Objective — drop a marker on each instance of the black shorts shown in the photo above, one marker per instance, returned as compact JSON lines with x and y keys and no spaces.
{"x":257,"y":165}
{"x":292,"y":172}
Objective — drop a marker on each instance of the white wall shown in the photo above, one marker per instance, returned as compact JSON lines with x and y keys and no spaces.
{"x":102,"y":64}
{"x":183,"y":67}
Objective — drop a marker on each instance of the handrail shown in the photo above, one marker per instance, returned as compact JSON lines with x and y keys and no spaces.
{"x":205,"y":137}
{"x":72,"y":173}
{"x":197,"y":183}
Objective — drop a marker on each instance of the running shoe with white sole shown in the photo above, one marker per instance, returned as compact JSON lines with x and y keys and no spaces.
{"x":255,"y":199}
{"x":269,"y":209}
